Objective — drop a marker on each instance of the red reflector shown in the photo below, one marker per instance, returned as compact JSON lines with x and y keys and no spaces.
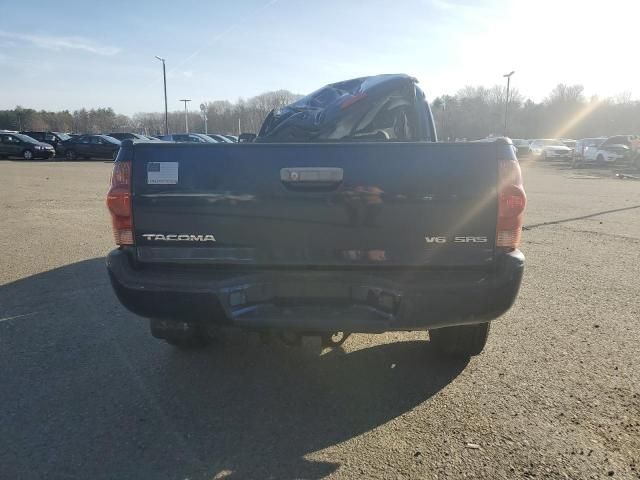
{"x":512,"y":201}
{"x":119,"y":203}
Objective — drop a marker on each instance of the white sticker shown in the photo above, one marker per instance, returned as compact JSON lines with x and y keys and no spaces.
{"x":162,"y":173}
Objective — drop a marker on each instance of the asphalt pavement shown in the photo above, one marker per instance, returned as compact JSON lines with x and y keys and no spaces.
{"x":87,"y":393}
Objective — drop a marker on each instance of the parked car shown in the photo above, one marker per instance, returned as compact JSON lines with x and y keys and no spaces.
{"x":129,"y":136}
{"x":91,"y":146}
{"x":219,"y":138}
{"x":188,"y":138}
{"x":360,"y":223}
{"x":23,"y":146}
{"x":577,"y":156}
{"x":549,"y":149}
{"x":522,"y":147}
{"x":569,"y":143}
{"x":616,"y":149}
{"x":233,"y":138}
{"x":55,"y":139}
{"x":632,"y":142}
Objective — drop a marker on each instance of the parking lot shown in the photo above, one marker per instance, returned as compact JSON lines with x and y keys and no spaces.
{"x":86,"y":392}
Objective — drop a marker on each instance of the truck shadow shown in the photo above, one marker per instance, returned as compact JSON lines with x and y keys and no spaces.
{"x":87,"y":393}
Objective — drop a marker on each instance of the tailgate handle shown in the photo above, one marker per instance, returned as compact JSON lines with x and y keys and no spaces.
{"x":312,"y":176}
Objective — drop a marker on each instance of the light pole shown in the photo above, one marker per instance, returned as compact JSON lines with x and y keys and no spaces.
{"x":166,"y":112}
{"x":203,"y":109}
{"x":186,"y":117}
{"x":506,"y":105}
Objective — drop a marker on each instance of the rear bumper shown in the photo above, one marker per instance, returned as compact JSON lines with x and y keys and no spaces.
{"x":312,"y":300}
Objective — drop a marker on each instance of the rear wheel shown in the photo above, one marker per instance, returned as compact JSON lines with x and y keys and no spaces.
{"x":460,"y":341}
{"x":600,"y":159}
{"x":27,"y":155}
{"x":183,"y":335}
{"x":71,"y":155}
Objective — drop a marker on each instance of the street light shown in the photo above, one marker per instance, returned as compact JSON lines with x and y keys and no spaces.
{"x":506,"y":105}
{"x":186,"y":118}
{"x":166,"y":113}
{"x":203,"y":109}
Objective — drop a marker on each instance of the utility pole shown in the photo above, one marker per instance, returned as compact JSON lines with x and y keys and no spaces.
{"x":506,"y":105}
{"x":186,"y":114}
{"x":166,"y":112}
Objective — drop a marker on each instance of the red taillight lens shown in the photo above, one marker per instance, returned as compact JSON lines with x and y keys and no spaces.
{"x":119,"y":203}
{"x":511,"y":204}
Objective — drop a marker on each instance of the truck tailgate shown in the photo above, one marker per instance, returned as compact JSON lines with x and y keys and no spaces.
{"x":321,"y":205}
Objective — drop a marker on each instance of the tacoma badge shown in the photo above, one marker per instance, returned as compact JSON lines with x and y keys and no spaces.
{"x":178,"y":237}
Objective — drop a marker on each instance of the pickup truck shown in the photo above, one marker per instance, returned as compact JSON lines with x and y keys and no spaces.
{"x":344,"y":215}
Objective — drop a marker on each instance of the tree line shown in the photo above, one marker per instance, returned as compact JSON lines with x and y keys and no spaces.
{"x":222,"y":117}
{"x":471,"y":113}
{"x":478,"y":112}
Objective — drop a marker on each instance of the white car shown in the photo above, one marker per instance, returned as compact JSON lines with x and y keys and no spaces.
{"x":606,"y":152}
{"x":549,"y":149}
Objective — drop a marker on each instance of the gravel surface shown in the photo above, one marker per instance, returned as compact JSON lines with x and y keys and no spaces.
{"x":87,"y":393}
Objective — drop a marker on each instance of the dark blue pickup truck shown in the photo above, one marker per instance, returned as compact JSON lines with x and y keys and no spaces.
{"x":343,"y":215}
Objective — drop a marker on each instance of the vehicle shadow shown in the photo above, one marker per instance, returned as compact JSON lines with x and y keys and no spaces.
{"x":87,"y":393}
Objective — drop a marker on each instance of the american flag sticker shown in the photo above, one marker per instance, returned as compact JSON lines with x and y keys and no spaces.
{"x":162,"y":173}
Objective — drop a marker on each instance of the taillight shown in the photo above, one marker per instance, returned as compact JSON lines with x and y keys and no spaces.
{"x":511,"y":204}
{"x":119,"y":203}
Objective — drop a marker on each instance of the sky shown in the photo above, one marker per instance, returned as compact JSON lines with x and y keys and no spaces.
{"x":72,"y":54}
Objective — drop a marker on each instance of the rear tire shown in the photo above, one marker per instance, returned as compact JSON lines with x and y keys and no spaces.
{"x":460,"y":341}
{"x":182,"y":335}
{"x":600,"y":159}
{"x":71,"y":155}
